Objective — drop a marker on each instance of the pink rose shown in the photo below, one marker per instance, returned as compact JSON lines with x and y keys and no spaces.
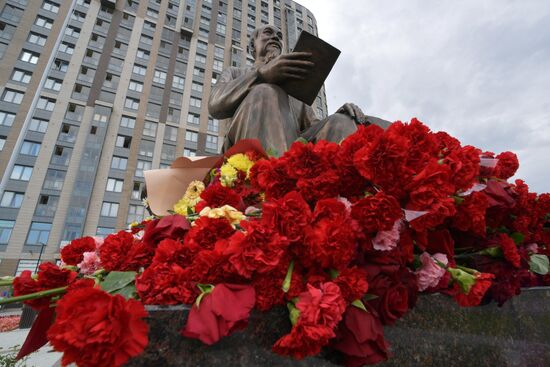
{"x":430,"y":273}
{"x":90,"y":264}
{"x":387,"y":240}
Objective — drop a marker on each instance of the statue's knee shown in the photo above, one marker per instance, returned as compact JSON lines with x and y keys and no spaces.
{"x":342,"y":121}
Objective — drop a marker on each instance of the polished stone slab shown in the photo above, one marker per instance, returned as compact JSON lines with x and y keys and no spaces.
{"x":436,"y":333}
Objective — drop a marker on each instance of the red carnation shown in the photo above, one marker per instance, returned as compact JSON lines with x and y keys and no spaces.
{"x":269,"y":290}
{"x":216,"y":195}
{"x":288,"y":215}
{"x":73,"y":253}
{"x":509,"y":249}
{"x":114,"y":251}
{"x":377,"y":212}
{"x":303,"y":340}
{"x":353,"y":283}
{"x":464,"y":164}
{"x":220,"y":313}
{"x":271,"y":177}
{"x":206,"y":232}
{"x":93,"y":328}
{"x":303,"y":161}
{"x":470,"y":214}
{"x":165,"y":284}
{"x":360,"y":336}
{"x":476,"y":293}
{"x":507,"y":165}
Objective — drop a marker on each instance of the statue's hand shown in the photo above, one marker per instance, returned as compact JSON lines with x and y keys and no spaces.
{"x":294,"y":65}
{"x":353,"y":111}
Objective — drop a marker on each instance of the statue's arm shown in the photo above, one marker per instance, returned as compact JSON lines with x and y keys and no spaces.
{"x":229,"y":91}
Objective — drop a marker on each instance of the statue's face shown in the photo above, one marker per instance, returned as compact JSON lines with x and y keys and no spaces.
{"x":269,"y":41}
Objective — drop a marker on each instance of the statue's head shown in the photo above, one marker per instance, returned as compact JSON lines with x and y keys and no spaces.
{"x":266,"y":40}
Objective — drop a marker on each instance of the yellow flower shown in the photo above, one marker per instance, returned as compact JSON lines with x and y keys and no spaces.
{"x":190,"y":199}
{"x":231,"y":214}
{"x":241,"y":162}
{"x":228,"y":175}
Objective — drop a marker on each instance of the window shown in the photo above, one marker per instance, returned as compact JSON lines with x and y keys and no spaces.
{"x":37,"y":39}
{"x":119,"y":163}
{"x":72,"y":31}
{"x":12,"y":96}
{"x":21,"y":76}
{"x":159,"y":77}
{"x":54,"y":179}
{"x":127,"y":121}
{"x":60,"y":65}
{"x":168,"y":152}
{"x":38,"y":233}
{"x":109,"y":209}
{"x":30,"y":148}
{"x":170,"y":133}
{"x":213,"y":125}
{"x":139,"y":70}
{"x":178,"y":82}
{"x":143,"y":54}
{"x":49,"y":6}
{"x":135,"y":86}
{"x":146,"y":148}
{"x":104,"y":231}
{"x":6,"y":226}
{"x":61,"y":155}
{"x":217,"y":65}
{"x":193,"y":119}
{"x":189,"y":153}
{"x":218,"y":52}
{"x":38,"y":125}
{"x":212,"y":142}
{"x":114,"y":185}
{"x":137,"y":190}
{"x":200,"y":58}
{"x":43,"y":22}
{"x":150,"y":128}
{"x":196,"y":87}
{"x":12,"y":199}
{"x":195,"y":102}
{"x":78,"y":16}
{"x":149,"y":25}
{"x":22,"y":173}
{"x":142,"y":166}
{"x":152,"y":13}
{"x":201,"y":45}
{"x":47,"y":104}
{"x":2,"y":142}
{"x":123,"y":141}
{"x":136,"y":213}
{"x":66,"y":47}
{"x":146,"y":39}
{"x":131,"y":103}
{"x":47,"y":205}
{"x":6,"y":118}
{"x":53,"y":84}
{"x":220,"y":28}
{"x":191,"y":136}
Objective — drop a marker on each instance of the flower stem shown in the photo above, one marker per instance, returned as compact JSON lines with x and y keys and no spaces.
{"x":27,"y":297}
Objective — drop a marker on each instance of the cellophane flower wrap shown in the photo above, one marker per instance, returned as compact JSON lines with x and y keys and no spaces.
{"x":345,"y":236}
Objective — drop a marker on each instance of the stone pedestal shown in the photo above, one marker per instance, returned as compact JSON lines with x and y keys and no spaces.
{"x":436,"y":333}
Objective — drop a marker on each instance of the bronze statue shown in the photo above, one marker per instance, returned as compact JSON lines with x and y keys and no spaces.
{"x":259,"y":108}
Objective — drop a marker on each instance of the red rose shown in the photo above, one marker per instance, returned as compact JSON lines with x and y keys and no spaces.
{"x":393,"y":297}
{"x":216,"y":195}
{"x":165,"y":284}
{"x":360,"y":336}
{"x":507,"y":165}
{"x":476,"y":293}
{"x":73,"y":253}
{"x":288,"y":215}
{"x":509,"y":249}
{"x":258,"y":249}
{"x":114,"y":251}
{"x":377,"y":212}
{"x":470,"y":214}
{"x":220,"y":313}
{"x":93,"y":328}
{"x":171,"y":226}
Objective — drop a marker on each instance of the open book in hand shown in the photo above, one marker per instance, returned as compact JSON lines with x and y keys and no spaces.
{"x":324,"y":57}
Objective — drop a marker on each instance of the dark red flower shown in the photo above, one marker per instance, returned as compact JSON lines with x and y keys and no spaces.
{"x":377,"y":212}
{"x":288,"y":215}
{"x":73,"y":253}
{"x":220,"y":313}
{"x":353,"y":283}
{"x":172,"y":226}
{"x":303,"y":340}
{"x":52,"y":276}
{"x":271,"y":177}
{"x":269,"y":290}
{"x":470,"y":214}
{"x":114,"y":250}
{"x":166,"y":284}
{"x":396,"y":295}
{"x":507,"y":165}
{"x":509,"y":249}
{"x":360,"y":336}
{"x":93,"y":328}
{"x":464,"y":164}
{"x":206,"y":232}
{"x":476,"y":293}
{"x":216,"y":195}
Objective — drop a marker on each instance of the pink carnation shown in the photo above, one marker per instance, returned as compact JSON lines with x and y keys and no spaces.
{"x":90,"y":264}
{"x":387,"y":240}
{"x":430,"y":273}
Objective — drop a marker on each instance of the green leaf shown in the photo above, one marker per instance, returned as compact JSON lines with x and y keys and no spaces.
{"x":288,"y":277}
{"x":294,"y":313}
{"x":127,"y":292}
{"x":301,"y":140}
{"x":368,"y":297}
{"x":518,"y":237}
{"x":359,"y":304}
{"x":272,"y":152}
{"x":492,"y":251}
{"x":464,"y":279}
{"x":539,"y":264}
{"x":205,"y":289}
{"x":333,"y":273}
{"x":116,"y":280}
{"x":458,"y":200}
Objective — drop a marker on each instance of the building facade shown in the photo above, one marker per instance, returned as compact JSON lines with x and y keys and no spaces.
{"x":92,"y":93}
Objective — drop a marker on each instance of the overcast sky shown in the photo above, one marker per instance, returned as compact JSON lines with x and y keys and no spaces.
{"x":479,"y":70}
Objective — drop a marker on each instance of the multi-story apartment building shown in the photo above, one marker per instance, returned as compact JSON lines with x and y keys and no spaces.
{"x":92,"y":93}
